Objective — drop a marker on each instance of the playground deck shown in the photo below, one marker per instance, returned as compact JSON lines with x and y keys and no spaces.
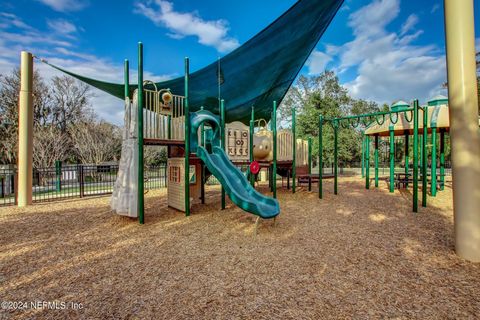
{"x":363,"y":255}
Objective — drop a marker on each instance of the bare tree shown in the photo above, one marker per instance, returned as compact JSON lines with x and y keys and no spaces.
{"x":154,"y":155}
{"x":70,"y":102}
{"x":96,"y":142}
{"x":9,"y":94}
{"x":49,"y":145}
{"x":64,"y":123}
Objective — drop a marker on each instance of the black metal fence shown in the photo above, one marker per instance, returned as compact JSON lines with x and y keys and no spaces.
{"x":78,"y":181}
{"x":7,"y":186}
{"x":73,"y":181}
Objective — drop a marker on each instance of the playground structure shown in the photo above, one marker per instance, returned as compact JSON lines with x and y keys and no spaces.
{"x":165,"y":123}
{"x":462,"y":110}
{"x":435,"y":119}
{"x":401,"y":120}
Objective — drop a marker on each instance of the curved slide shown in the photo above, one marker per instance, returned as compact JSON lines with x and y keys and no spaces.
{"x":236,"y":185}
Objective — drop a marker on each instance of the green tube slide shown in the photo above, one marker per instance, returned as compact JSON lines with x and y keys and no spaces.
{"x":236,"y":184}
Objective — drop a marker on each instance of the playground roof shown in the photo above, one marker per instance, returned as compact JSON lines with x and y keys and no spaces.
{"x":255,"y":74}
{"x":437,"y":117}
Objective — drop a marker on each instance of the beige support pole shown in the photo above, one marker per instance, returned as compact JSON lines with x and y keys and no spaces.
{"x":464,"y":132}
{"x":25,"y":130}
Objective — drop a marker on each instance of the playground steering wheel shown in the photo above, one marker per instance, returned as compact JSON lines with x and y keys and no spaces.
{"x":254,"y":167}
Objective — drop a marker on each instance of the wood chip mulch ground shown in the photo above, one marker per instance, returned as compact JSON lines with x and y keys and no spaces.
{"x":361,"y":254}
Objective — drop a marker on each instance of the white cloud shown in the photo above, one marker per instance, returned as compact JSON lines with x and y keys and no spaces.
{"x":212,"y":33}
{"x":435,"y":7}
{"x":410,"y":37}
{"x":63,"y":54}
{"x":372,"y":19}
{"x":318,"y":62}
{"x":66,"y":5}
{"x":62,"y":26}
{"x":388,"y":66}
{"x":24,"y":34}
{"x":8,"y":20}
{"x":30,"y":38}
{"x":409,"y":24}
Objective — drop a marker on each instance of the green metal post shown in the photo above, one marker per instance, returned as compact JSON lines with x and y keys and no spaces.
{"x":187,"y":139}
{"x":126,"y":78}
{"x":376,"y":161}
{"x":222,"y":139}
{"x":335,"y":157}
{"x":252,"y":129}
{"x":367,"y":161}
{"x":126,"y":84}
{"x":274,"y":173}
{"x":202,"y":132}
{"x":442,"y":160}
{"x":202,"y":167}
{"x":310,"y":164}
{"x":421,"y":147}
{"x":425,"y":157}
{"x":202,"y":186}
{"x":320,"y":157}
{"x":415,"y":156}
{"x":294,"y":163}
{"x":58,"y":175}
{"x":140,"y":189}
{"x":363,"y":157}
{"x":433,"y":175}
{"x":407,"y":158}
{"x":392,"y":159}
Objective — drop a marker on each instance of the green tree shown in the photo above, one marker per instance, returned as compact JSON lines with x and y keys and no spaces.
{"x":324,"y":95}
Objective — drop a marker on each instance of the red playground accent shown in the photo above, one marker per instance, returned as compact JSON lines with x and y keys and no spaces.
{"x":254,"y":167}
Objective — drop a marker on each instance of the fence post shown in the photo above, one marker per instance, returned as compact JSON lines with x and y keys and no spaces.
{"x":2,"y":179}
{"x":58,"y":175}
{"x":81,"y":180}
{"x":320,"y":156}
{"x":335,"y":156}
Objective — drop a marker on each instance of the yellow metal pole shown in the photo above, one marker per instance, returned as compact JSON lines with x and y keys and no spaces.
{"x":25,"y":130}
{"x":464,"y":132}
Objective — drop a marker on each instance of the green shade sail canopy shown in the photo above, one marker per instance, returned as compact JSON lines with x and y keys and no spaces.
{"x":255,"y":74}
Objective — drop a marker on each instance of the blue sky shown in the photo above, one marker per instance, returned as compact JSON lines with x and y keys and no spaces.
{"x":382,"y":50}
